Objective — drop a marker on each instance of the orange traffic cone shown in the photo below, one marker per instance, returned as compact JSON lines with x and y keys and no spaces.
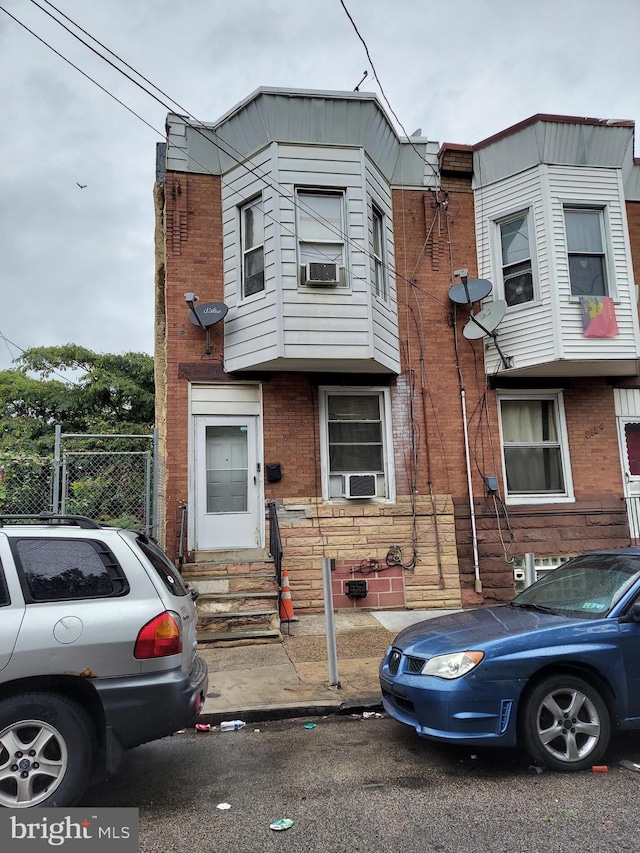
{"x":286,"y":605}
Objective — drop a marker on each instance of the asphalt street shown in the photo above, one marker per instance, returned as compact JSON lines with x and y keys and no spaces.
{"x":352,"y":784}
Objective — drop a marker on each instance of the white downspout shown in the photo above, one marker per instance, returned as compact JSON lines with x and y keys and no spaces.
{"x":474,"y":534}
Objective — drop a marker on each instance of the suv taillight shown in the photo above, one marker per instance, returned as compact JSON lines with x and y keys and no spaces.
{"x":159,"y":638}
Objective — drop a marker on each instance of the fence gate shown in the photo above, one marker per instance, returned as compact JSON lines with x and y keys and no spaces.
{"x":110,"y":486}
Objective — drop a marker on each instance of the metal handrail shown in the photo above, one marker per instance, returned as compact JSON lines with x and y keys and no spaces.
{"x":183,"y":535}
{"x":275,"y":545}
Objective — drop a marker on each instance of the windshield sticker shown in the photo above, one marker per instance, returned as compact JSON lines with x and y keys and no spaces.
{"x":594,"y":605}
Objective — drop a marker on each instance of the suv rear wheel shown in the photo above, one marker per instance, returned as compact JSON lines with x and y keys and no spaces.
{"x":46,"y":751}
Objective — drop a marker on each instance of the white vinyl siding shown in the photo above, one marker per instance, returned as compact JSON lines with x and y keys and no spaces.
{"x":546,"y":336}
{"x":225,"y":398}
{"x":251,"y":327}
{"x":599,"y":189}
{"x":527,"y":331}
{"x":300,"y":328}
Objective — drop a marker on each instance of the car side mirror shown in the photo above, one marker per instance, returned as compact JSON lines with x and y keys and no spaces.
{"x":633,"y":613}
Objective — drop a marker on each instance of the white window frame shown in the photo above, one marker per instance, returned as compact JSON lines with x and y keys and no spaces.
{"x":337,"y":231}
{"x":518,"y":498}
{"x":256,"y":202}
{"x":497,"y":224}
{"x":384,"y":395}
{"x":605,"y":239}
{"x":380,"y":279}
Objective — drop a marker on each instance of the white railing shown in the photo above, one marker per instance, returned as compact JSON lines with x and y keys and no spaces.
{"x":633,"y":514}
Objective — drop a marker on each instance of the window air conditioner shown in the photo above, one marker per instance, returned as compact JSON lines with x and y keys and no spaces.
{"x":321,"y":274}
{"x":360,"y":485}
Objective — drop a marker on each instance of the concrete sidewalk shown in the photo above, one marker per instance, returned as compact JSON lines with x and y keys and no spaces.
{"x":275,"y":680}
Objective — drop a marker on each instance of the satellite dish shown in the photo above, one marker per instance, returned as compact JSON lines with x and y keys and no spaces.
{"x":475,"y":290}
{"x":209,"y":313}
{"x":486,"y":321}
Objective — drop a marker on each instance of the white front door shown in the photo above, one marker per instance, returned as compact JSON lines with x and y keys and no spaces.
{"x":629,"y":436}
{"x":228,"y":486}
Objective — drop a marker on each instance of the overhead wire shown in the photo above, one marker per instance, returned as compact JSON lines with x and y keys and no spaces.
{"x":202,"y":129}
{"x":377,"y":79}
{"x":225,"y":147}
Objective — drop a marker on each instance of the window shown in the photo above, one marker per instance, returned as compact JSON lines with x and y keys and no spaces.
{"x":4,"y":593}
{"x":356,"y":439}
{"x":379,"y":273}
{"x":535,"y":450}
{"x":515,"y":249}
{"x":61,"y":569}
{"x":252,"y":241}
{"x":585,"y":248}
{"x":320,"y":236}
{"x":167,"y":572}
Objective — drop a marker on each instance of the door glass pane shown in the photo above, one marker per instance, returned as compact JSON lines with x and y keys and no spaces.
{"x":227,"y":468}
{"x":632,"y":440}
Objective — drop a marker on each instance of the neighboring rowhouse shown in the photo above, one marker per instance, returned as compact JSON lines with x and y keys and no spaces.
{"x":347,"y":387}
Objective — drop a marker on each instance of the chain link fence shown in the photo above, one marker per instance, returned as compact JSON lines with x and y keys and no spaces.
{"x":114,"y":487}
{"x":109,"y":487}
{"x":26,"y":484}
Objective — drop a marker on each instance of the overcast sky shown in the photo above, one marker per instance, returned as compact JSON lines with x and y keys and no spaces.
{"x":77,"y":264}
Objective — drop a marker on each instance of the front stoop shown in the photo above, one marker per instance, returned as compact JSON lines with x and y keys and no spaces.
{"x":238,"y":600}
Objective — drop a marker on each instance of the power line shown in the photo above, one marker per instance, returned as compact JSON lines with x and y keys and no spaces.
{"x":264,"y":176}
{"x":68,"y":61}
{"x":252,"y":168}
{"x":23,"y":351}
{"x":377,"y":79}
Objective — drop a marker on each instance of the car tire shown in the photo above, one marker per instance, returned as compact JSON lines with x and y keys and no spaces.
{"x":47,"y":745}
{"x":565,"y":724}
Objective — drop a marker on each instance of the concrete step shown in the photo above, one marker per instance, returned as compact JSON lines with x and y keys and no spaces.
{"x":230,"y":584}
{"x":211,"y":639}
{"x":238,"y":555}
{"x":238,"y":596}
{"x":204,"y":571}
{"x":215,"y":604}
{"x":229,"y":625}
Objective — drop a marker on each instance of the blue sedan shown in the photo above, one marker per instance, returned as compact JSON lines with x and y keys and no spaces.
{"x":553,"y":671}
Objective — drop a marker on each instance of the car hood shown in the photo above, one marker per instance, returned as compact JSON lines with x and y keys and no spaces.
{"x":473,"y":629}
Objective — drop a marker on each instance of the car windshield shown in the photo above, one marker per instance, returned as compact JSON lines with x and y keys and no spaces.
{"x":586,"y":587}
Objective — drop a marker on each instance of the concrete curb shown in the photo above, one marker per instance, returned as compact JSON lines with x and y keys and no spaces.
{"x":285,"y":712}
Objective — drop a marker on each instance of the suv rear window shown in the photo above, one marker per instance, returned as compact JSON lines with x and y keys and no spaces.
{"x":167,"y":572}
{"x":60,"y":569}
{"x":4,"y":595}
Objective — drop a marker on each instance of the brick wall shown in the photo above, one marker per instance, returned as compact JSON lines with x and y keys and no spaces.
{"x":357,"y":533}
{"x":597,"y":518}
{"x":193,"y":223}
{"x":633,"y":218}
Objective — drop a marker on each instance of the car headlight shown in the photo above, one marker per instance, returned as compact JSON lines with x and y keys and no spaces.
{"x":452,"y":666}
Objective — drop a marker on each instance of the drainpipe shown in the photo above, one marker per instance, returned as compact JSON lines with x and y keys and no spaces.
{"x":474,"y":534}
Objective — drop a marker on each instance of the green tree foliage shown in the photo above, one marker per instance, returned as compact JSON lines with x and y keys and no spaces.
{"x":86,"y":393}
{"x":104,"y":393}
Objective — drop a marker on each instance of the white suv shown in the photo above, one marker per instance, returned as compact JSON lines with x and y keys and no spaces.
{"x":97,"y":654}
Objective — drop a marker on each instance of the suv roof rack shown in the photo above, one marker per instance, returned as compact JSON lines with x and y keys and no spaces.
{"x":51,"y":518}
